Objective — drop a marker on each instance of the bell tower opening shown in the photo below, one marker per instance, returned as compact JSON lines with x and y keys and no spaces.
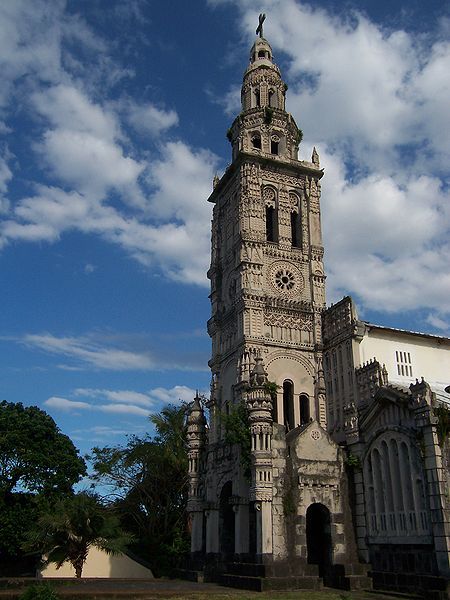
{"x":271,"y":224}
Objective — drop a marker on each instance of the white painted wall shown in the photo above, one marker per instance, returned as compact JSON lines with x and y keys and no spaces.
{"x":430,"y":356}
{"x":100,"y":564}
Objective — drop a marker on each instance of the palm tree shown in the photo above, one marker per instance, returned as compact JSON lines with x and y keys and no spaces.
{"x":73,"y":525}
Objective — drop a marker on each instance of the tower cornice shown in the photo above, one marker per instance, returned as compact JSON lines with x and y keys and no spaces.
{"x":298,"y":166}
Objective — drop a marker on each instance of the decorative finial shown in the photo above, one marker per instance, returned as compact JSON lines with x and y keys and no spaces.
{"x":315,"y":157}
{"x":259,"y":29}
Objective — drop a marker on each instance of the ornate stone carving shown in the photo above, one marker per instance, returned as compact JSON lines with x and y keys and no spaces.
{"x":280,"y":319}
{"x":285,"y":278}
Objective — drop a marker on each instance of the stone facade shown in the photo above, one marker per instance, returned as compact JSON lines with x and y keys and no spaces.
{"x":285,"y":506}
{"x":313,"y":463}
{"x":398,"y":448}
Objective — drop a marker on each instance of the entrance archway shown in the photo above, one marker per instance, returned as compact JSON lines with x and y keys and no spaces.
{"x":226,"y":520}
{"x":318,"y":536}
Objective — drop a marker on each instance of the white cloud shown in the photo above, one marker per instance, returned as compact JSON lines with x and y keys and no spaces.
{"x":121,"y":396}
{"x":90,"y":352}
{"x":438,"y":323}
{"x":73,"y":406}
{"x":67,"y":107}
{"x":160,"y":215}
{"x":375,"y":102}
{"x":123,"y":409}
{"x":173,"y":395}
{"x":30,"y":42}
{"x":66,"y":405}
{"x":89,"y":268}
{"x":5,"y":175}
{"x":148,"y":119}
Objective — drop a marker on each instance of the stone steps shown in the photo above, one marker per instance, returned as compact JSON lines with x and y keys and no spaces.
{"x":261,"y":584}
{"x":272,"y":570}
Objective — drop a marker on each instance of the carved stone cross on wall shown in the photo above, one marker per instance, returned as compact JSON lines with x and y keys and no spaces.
{"x":259,"y":29}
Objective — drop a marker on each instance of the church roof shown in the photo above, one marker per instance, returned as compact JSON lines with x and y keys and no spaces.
{"x":405,"y":331}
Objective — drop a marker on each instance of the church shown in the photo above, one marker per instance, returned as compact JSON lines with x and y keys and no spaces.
{"x":315,"y":465}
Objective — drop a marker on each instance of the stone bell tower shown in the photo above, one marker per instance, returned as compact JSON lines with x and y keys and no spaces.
{"x":267,"y":278}
{"x":267,"y":298}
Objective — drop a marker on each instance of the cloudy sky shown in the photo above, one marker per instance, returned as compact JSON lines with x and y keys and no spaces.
{"x":112,"y":123}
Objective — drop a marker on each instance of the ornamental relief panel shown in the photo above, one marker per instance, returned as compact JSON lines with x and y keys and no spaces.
{"x":304,"y":225}
{"x":285,"y":279}
{"x":252,"y":254}
{"x":299,"y":322}
{"x":293,"y":202}
{"x":269,"y":196}
{"x":274,"y":176}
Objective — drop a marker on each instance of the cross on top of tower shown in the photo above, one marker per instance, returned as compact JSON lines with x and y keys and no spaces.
{"x":259,"y":29}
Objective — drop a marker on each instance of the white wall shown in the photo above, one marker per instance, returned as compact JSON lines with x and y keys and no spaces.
{"x":100,"y":564}
{"x":430,"y":356}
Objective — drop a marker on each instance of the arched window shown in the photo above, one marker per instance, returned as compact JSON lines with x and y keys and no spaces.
{"x":274,"y":144}
{"x":288,"y":404}
{"x":304,"y":409}
{"x":257,"y":97}
{"x":294,"y":204}
{"x":274,"y":408}
{"x":271,"y":228}
{"x":295,"y":229}
{"x":396,"y":500}
{"x":269,"y":198}
{"x":256,"y":141}
{"x":273,"y":99}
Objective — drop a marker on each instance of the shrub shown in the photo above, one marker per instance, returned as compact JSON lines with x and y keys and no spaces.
{"x":39,"y":591}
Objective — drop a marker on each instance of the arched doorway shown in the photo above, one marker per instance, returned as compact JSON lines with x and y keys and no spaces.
{"x":226,"y":520}
{"x":318,"y":536}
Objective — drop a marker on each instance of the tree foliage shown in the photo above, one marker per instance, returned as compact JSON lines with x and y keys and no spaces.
{"x":34,"y":455}
{"x":37,"y":465}
{"x":148,"y":482}
{"x":74,"y":524}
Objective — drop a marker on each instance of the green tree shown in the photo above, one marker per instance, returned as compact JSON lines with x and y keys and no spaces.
{"x":34,"y":455}
{"x":37,"y":465}
{"x":148,"y":481}
{"x":72,"y":526}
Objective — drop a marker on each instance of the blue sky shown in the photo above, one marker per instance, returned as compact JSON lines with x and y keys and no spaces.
{"x":112,"y":121}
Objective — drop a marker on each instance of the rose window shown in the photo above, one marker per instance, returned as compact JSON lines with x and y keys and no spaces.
{"x":284,"y":280}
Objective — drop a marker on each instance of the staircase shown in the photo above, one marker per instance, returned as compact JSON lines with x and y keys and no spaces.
{"x":286,"y":575}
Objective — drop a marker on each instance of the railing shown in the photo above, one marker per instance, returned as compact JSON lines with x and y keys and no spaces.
{"x":399,"y":523}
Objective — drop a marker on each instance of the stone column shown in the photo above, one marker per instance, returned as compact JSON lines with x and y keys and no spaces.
{"x":259,"y":406}
{"x":212,"y":531}
{"x":196,"y":431}
{"x":197,"y":531}
{"x":435,"y":475}
{"x":241,"y":528}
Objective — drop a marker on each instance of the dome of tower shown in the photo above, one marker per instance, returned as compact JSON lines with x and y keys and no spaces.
{"x":261,"y":50}
{"x":195,"y":414}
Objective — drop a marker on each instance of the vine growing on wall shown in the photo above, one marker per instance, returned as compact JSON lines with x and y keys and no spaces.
{"x":237,"y":431}
{"x":271,"y":387}
{"x":268,"y":115}
{"x":443,"y":424}
{"x":289,"y":504}
{"x":353,"y":461}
